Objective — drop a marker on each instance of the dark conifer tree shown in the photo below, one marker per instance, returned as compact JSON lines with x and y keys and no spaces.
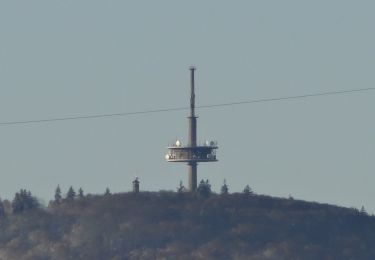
{"x":58,"y":197}
{"x":204,"y":188}
{"x":23,"y":200}
{"x":80,"y":193}
{"x":224,"y":188}
{"x":71,"y":194}
{"x":17,"y":203}
{"x":2,"y":208}
{"x":247,"y":190}
{"x":363,"y":211}
{"x":181,"y":188}
{"x":107,"y":192}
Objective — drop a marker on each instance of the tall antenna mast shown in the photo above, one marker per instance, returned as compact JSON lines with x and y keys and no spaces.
{"x":192,"y":165}
{"x":192,"y":153}
{"x":192,"y":92}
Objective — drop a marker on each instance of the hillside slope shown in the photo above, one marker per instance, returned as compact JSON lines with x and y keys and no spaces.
{"x":167,"y":225}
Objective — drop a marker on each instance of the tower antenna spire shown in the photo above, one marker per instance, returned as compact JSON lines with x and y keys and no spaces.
{"x":192,"y":91}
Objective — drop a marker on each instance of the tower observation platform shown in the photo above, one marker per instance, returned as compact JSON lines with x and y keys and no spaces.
{"x":192,"y":153}
{"x":199,"y":153}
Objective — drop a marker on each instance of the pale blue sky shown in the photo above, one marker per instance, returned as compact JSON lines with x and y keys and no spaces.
{"x":64,"y":58}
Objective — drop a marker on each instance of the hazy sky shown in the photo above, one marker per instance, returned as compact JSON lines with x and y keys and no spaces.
{"x":67,"y":58}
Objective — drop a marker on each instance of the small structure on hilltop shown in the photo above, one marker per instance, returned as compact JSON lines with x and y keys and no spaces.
{"x":192,"y":153}
{"x":136,"y":185}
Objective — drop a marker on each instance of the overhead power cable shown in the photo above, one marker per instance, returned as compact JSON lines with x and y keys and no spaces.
{"x":79,"y":117}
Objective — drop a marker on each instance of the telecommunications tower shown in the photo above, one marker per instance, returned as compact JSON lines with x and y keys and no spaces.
{"x":192,"y":153}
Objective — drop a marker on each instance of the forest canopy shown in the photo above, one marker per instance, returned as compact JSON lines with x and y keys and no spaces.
{"x":180,"y":225}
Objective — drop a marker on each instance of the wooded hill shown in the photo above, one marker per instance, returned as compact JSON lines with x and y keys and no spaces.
{"x":170,"y":225}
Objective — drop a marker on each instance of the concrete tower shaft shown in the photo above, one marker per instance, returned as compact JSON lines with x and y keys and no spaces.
{"x":192,"y":173}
